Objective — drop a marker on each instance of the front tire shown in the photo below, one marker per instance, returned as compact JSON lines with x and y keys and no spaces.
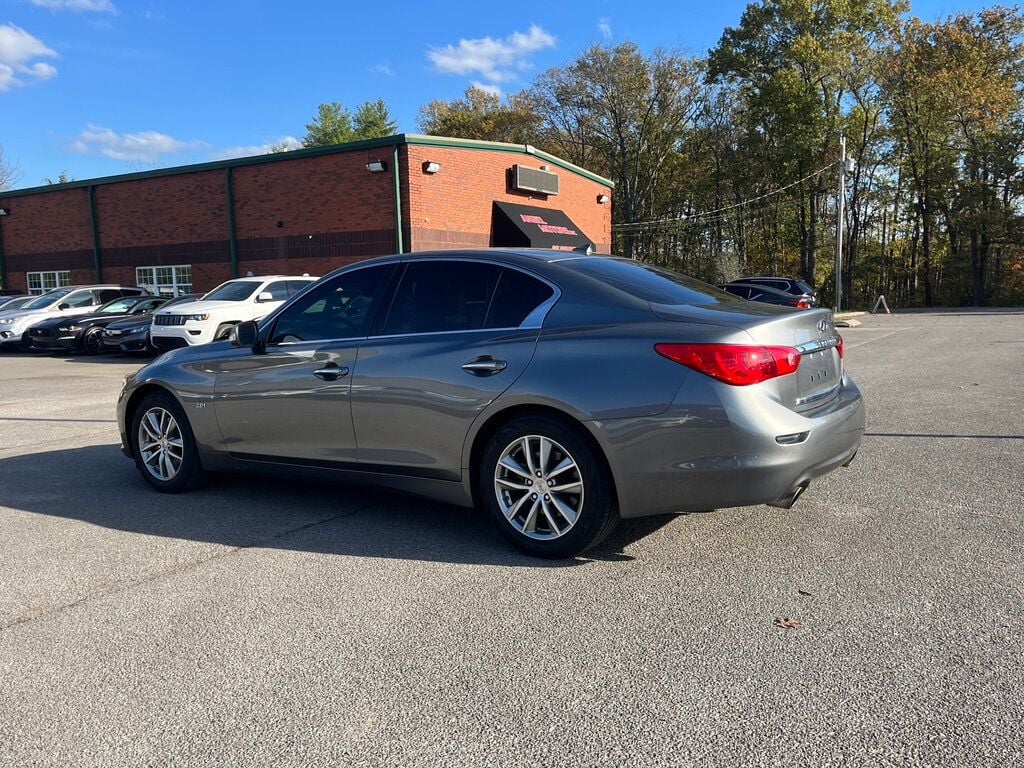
{"x":163,"y":445}
{"x":92,"y":342}
{"x":546,"y":489}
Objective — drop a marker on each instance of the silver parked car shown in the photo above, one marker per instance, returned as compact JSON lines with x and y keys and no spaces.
{"x":557,"y":391}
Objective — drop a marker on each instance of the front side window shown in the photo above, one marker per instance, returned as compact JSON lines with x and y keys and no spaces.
{"x":41,"y":282}
{"x":278,"y":291}
{"x":442,"y":296}
{"x":340,"y":308}
{"x":80,"y":299}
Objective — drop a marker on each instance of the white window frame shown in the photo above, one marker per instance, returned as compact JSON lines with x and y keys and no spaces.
{"x":145,"y":277}
{"x":47,"y":280}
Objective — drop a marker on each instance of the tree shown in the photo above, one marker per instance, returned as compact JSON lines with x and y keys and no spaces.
{"x":373,"y":121}
{"x":10,"y":172}
{"x":482,"y":115}
{"x":62,"y":178}
{"x":332,"y":125}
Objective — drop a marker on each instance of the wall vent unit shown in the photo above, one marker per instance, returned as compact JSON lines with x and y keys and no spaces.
{"x":532,"y":180}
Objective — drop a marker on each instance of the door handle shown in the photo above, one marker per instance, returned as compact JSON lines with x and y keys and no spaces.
{"x":484,"y":366}
{"x":330,"y":372}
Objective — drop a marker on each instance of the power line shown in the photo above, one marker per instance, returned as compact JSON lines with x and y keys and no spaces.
{"x":654,"y":223}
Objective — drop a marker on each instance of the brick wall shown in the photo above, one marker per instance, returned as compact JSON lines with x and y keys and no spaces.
{"x":453,"y":208}
{"x":310,"y":214}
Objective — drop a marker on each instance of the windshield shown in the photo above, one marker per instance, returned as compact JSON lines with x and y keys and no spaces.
{"x":118,"y":306}
{"x":233,"y":291}
{"x":48,"y":298}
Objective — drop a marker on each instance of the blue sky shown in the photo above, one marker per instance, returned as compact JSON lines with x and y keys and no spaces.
{"x":98,"y":87}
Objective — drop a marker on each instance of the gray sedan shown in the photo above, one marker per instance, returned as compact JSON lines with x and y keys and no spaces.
{"x":557,"y":391}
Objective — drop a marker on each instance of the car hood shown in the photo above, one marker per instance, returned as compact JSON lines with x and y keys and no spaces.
{"x":199,"y":307}
{"x":131,"y":321}
{"x":79,"y":319}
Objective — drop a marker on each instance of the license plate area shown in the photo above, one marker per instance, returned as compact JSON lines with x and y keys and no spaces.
{"x":818,"y":377}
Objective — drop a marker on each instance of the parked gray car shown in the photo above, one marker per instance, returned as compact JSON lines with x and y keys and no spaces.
{"x":557,"y":391}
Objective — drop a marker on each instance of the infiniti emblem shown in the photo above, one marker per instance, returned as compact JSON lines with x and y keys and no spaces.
{"x":822,"y":325}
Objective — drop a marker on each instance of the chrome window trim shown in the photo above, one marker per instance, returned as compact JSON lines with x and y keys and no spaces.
{"x":533,"y":321}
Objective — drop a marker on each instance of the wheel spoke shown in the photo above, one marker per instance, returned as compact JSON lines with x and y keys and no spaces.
{"x":528,"y":456}
{"x":514,"y":466}
{"x":531,"y":519}
{"x":574,"y":487}
{"x":154,"y":425}
{"x":564,"y":510}
{"x":545,"y":454}
{"x":550,"y":518}
{"x":513,"y":510}
{"x":513,"y":485}
{"x":564,"y":464}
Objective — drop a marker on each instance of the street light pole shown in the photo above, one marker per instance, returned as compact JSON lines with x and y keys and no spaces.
{"x":839,"y":224}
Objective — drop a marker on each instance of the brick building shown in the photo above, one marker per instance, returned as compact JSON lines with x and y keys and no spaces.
{"x":189,"y":228}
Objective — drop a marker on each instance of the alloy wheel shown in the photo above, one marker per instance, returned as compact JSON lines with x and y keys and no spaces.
{"x":539,"y":487}
{"x":160,"y":443}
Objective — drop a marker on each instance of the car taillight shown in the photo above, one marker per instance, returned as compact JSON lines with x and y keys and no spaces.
{"x":803,"y":304}
{"x":736,"y":364}
{"x":840,"y":347}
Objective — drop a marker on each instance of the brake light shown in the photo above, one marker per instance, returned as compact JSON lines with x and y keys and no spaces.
{"x":735,"y":364}
{"x":840,"y":347}
{"x":803,"y":304}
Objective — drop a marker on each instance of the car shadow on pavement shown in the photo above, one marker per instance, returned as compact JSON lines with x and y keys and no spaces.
{"x":98,"y":485}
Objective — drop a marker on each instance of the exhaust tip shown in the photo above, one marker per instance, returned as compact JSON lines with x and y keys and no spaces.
{"x":787,"y":501}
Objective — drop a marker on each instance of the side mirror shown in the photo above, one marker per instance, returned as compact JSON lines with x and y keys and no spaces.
{"x":265,"y":296}
{"x":244,"y":334}
{"x":63,"y":305}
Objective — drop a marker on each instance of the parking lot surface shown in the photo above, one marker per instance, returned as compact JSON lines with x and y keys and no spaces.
{"x":259,"y":622}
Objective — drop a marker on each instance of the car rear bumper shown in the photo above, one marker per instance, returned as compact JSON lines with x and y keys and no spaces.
{"x":721,"y":449}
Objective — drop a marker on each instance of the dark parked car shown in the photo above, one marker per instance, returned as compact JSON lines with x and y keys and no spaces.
{"x":131,"y":335}
{"x":83,"y":333}
{"x":790,"y":285}
{"x":557,"y":391}
{"x":766,"y":295}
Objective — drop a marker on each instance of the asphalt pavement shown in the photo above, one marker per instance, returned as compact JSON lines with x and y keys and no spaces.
{"x":260,"y":622}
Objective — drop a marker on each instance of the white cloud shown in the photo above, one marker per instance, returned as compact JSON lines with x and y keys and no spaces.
{"x":89,"y":6}
{"x":604,"y":26}
{"x":288,"y":142}
{"x":142,"y":147}
{"x":384,"y":68}
{"x":18,"y":48}
{"x":494,"y":60}
{"x":490,"y":88}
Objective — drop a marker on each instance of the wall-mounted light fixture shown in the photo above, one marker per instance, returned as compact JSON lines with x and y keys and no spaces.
{"x":4,"y":212}
{"x":602,"y":199}
{"x":429,"y":166}
{"x":377,"y":166}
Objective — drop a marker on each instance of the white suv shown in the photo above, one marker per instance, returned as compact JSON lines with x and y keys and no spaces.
{"x":212,"y":317}
{"x":59,"y":302}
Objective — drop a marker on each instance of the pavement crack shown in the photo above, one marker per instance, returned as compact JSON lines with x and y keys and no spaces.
{"x":183,"y":568}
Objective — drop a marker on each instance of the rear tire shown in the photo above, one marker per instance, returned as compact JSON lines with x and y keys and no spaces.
{"x":547,"y":490}
{"x":164,"y":446}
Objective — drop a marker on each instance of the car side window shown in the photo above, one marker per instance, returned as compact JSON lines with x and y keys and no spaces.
{"x":737,"y":291}
{"x":83,"y":299}
{"x":279,"y":290}
{"x":296,"y":286}
{"x":340,"y":308}
{"x":108,"y":294}
{"x":442,"y":296}
{"x":516,"y":296}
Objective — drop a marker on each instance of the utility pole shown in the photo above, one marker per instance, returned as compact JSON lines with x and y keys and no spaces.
{"x":840,"y":214}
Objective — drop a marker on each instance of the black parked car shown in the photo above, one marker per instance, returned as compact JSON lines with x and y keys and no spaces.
{"x":790,"y":285}
{"x":766,"y":295}
{"x":82,"y":333}
{"x":131,"y":335}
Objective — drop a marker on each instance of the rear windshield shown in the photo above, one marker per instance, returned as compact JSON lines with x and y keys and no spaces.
{"x":648,"y":283}
{"x":804,"y":287}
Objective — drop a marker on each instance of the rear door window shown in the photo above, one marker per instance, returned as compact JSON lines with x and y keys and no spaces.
{"x":442,"y":296}
{"x":516,"y":296}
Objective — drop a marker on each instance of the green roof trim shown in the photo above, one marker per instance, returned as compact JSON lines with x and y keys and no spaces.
{"x":400,"y":139}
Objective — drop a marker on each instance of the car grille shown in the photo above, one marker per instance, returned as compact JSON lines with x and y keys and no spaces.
{"x":167,"y":343}
{"x":169,"y":320}
{"x":41,"y":332}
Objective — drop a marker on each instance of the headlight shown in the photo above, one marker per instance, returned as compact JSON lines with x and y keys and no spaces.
{"x":134,"y":329}
{"x":197,"y":317}
{"x":6,"y":320}
{"x":69,"y":328}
